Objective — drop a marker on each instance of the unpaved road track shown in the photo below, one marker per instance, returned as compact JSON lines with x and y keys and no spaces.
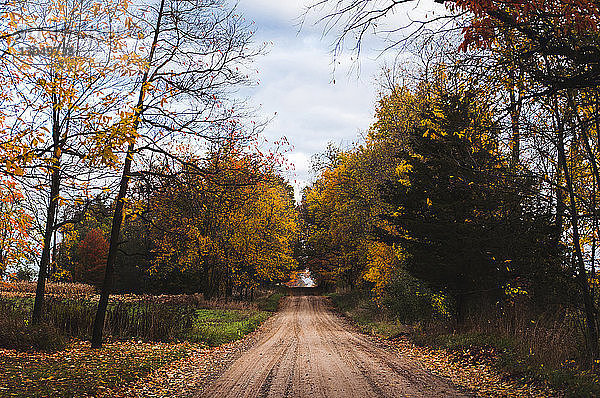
{"x":308,"y":351}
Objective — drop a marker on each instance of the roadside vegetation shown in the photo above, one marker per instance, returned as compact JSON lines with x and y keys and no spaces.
{"x":53,"y":357}
{"x":541,"y":353}
{"x":167,"y":318}
{"x":270,"y":302}
{"x":466,"y":216}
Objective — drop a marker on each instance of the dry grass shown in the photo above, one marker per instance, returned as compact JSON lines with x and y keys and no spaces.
{"x":541,"y":348}
{"x":195,"y":300}
{"x":53,"y":288}
{"x":554,"y":338}
{"x":89,"y":292}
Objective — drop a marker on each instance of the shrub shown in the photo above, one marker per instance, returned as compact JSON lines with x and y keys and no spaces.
{"x":269,"y":302}
{"x":408,"y":300}
{"x":18,"y":334}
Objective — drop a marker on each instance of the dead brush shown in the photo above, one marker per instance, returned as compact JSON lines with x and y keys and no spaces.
{"x":551,"y":338}
{"x":61,"y":289}
{"x":196,"y":300}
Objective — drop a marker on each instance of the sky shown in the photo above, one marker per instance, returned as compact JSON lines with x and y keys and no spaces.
{"x":297,"y":85}
{"x":311,"y":102}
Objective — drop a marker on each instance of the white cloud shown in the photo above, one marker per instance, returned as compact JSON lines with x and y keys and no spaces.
{"x":296,"y":82}
{"x":284,"y":11}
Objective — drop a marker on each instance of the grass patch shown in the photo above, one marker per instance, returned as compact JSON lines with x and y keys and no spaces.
{"x":80,"y":371}
{"x":269,"y":302}
{"x":215,"y":327}
{"x":365,"y":313}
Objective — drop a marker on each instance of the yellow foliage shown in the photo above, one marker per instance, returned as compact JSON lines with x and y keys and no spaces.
{"x":242,"y":232}
{"x":382,"y":265}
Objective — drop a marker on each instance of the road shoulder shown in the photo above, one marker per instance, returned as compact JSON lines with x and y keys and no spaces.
{"x":188,"y":377}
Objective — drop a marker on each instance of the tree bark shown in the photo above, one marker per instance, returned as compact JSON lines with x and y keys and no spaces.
{"x":120,"y":201}
{"x":515,"y":95}
{"x":588,"y":305}
{"x":38,"y":306}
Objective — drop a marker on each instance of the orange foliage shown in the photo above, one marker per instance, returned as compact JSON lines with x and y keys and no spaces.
{"x":92,"y":253}
{"x":16,"y":242}
{"x":562,"y":17}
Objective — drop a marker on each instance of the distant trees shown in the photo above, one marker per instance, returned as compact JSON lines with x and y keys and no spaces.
{"x":81,"y":253}
{"x":231,"y":228}
{"x":94,"y":220}
{"x":222,"y":228}
{"x":341,"y":211}
{"x":535,"y":65}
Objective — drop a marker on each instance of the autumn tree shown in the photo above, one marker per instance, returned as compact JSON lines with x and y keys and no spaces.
{"x":61,"y":62}
{"x":17,"y":245}
{"x":195,"y":52}
{"x":231,"y":227}
{"x":91,"y":260}
{"x":91,"y":223}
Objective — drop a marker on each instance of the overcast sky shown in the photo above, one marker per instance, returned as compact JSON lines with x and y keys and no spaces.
{"x":297,"y":84}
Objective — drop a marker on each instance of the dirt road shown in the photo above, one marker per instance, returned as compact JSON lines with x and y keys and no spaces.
{"x":308,"y":351}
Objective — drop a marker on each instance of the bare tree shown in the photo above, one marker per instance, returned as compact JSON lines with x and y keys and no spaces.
{"x":198,"y":52}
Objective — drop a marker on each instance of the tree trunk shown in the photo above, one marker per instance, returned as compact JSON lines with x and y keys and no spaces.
{"x":588,"y":305}
{"x":38,"y":306}
{"x":515,"y":116}
{"x":229,"y":288}
{"x":112,"y":251}
{"x":560,"y":206}
{"x":206,"y":282}
{"x":120,"y":201}
{"x":461,"y":308}
{"x":54,"y":253}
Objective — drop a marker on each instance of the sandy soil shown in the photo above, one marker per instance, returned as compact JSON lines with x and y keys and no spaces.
{"x":309,"y":351}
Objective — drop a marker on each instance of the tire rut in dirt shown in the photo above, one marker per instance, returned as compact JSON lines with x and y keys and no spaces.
{"x":308,"y":351}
